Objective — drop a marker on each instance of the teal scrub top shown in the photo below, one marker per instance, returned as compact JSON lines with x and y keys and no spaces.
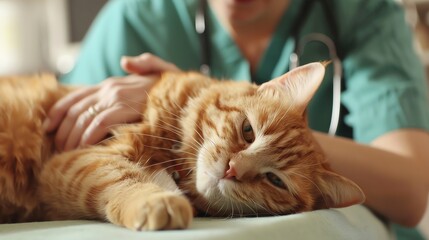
{"x":384,"y":85}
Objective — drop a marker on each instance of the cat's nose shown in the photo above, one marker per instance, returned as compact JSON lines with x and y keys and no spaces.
{"x":239,"y":171}
{"x":231,"y":173}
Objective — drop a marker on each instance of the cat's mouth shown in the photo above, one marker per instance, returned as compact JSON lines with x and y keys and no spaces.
{"x":211,"y":185}
{"x":206,"y":181}
{"x":215,"y":179}
{"x":222,"y":201}
{"x":221,"y":191}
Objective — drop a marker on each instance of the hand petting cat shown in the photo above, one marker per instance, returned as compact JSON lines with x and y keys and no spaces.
{"x":85,"y":116}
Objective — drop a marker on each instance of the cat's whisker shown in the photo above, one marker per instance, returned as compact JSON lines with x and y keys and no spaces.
{"x":175,"y":165}
{"x":231,"y":207}
{"x":240,"y":210}
{"x":197,"y":131}
{"x":175,"y":130}
{"x":167,"y":161}
{"x":200,"y":145}
{"x":212,"y":201}
{"x":238,"y":201}
{"x":155,"y":174}
{"x":263,"y":207}
{"x":231,"y":203}
{"x":176,"y":116}
{"x":209,"y":205}
{"x":236,"y":206}
{"x":167,"y":139}
{"x":149,"y":135}
{"x":229,"y":210}
{"x":189,"y":168}
{"x":212,"y":142}
{"x":182,"y":169}
{"x":248,"y":207}
{"x":178,"y":106}
{"x":196,"y":125}
{"x":168,"y":149}
{"x":310,"y":166}
{"x":178,"y":130}
{"x":105,"y":140}
{"x":147,"y":160}
{"x":221,"y":208}
{"x":170,"y":112}
{"x":244,"y":202}
{"x":193,"y":145}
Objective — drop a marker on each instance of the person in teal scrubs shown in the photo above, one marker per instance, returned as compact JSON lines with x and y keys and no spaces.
{"x":382,"y":138}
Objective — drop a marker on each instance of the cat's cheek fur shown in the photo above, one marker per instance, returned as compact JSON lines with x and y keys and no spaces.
{"x":208,"y":174}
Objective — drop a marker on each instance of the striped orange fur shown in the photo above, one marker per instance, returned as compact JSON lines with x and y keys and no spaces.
{"x":221,"y":148}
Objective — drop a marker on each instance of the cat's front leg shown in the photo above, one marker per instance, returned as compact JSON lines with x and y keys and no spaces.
{"x":95,"y":184}
{"x":149,"y":207}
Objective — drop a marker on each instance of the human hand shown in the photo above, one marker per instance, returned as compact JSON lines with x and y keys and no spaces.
{"x":85,"y":116}
{"x":145,"y":64}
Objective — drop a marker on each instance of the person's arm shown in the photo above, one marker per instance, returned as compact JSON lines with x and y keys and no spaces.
{"x":392,"y":171}
{"x":387,"y":102}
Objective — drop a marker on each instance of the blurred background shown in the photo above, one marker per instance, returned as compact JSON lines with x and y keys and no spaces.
{"x":44,"y":35}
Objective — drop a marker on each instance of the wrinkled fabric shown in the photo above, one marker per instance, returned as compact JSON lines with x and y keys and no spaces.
{"x":353,"y":223}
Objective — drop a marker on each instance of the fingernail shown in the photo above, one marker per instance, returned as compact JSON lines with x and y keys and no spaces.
{"x":125,"y":59}
{"x":45,"y":125}
{"x":126,"y":62}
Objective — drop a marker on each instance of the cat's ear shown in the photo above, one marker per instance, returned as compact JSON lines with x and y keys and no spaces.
{"x":338,"y":191}
{"x":299,"y":84}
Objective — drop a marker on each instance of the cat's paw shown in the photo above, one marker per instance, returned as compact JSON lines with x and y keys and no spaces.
{"x":160,"y":211}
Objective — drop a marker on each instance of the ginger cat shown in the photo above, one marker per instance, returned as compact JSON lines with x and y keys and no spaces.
{"x":222,"y":148}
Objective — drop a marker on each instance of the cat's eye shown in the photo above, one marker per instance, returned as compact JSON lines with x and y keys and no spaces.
{"x":247,"y":131}
{"x":275,"y":180}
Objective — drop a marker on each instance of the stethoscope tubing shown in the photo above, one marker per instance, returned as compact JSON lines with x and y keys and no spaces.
{"x":201,"y":27}
{"x":337,"y":75}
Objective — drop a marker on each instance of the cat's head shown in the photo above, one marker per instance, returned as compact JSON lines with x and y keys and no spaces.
{"x":256,"y":154}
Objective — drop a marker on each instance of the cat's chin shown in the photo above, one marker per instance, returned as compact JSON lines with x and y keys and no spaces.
{"x":218,"y":196}
{"x":219,"y":193}
{"x":211,"y":185}
{"x":208,"y":175}
{"x":214,"y":188}
{"x":207,"y":184}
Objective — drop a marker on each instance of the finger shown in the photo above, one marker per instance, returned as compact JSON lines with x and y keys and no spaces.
{"x":59,"y":109}
{"x":69,"y":121}
{"x":79,"y":128}
{"x":146,"y":63}
{"x":102,"y":123}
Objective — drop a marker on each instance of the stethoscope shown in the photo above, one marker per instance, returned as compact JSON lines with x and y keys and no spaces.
{"x":201,"y":28}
